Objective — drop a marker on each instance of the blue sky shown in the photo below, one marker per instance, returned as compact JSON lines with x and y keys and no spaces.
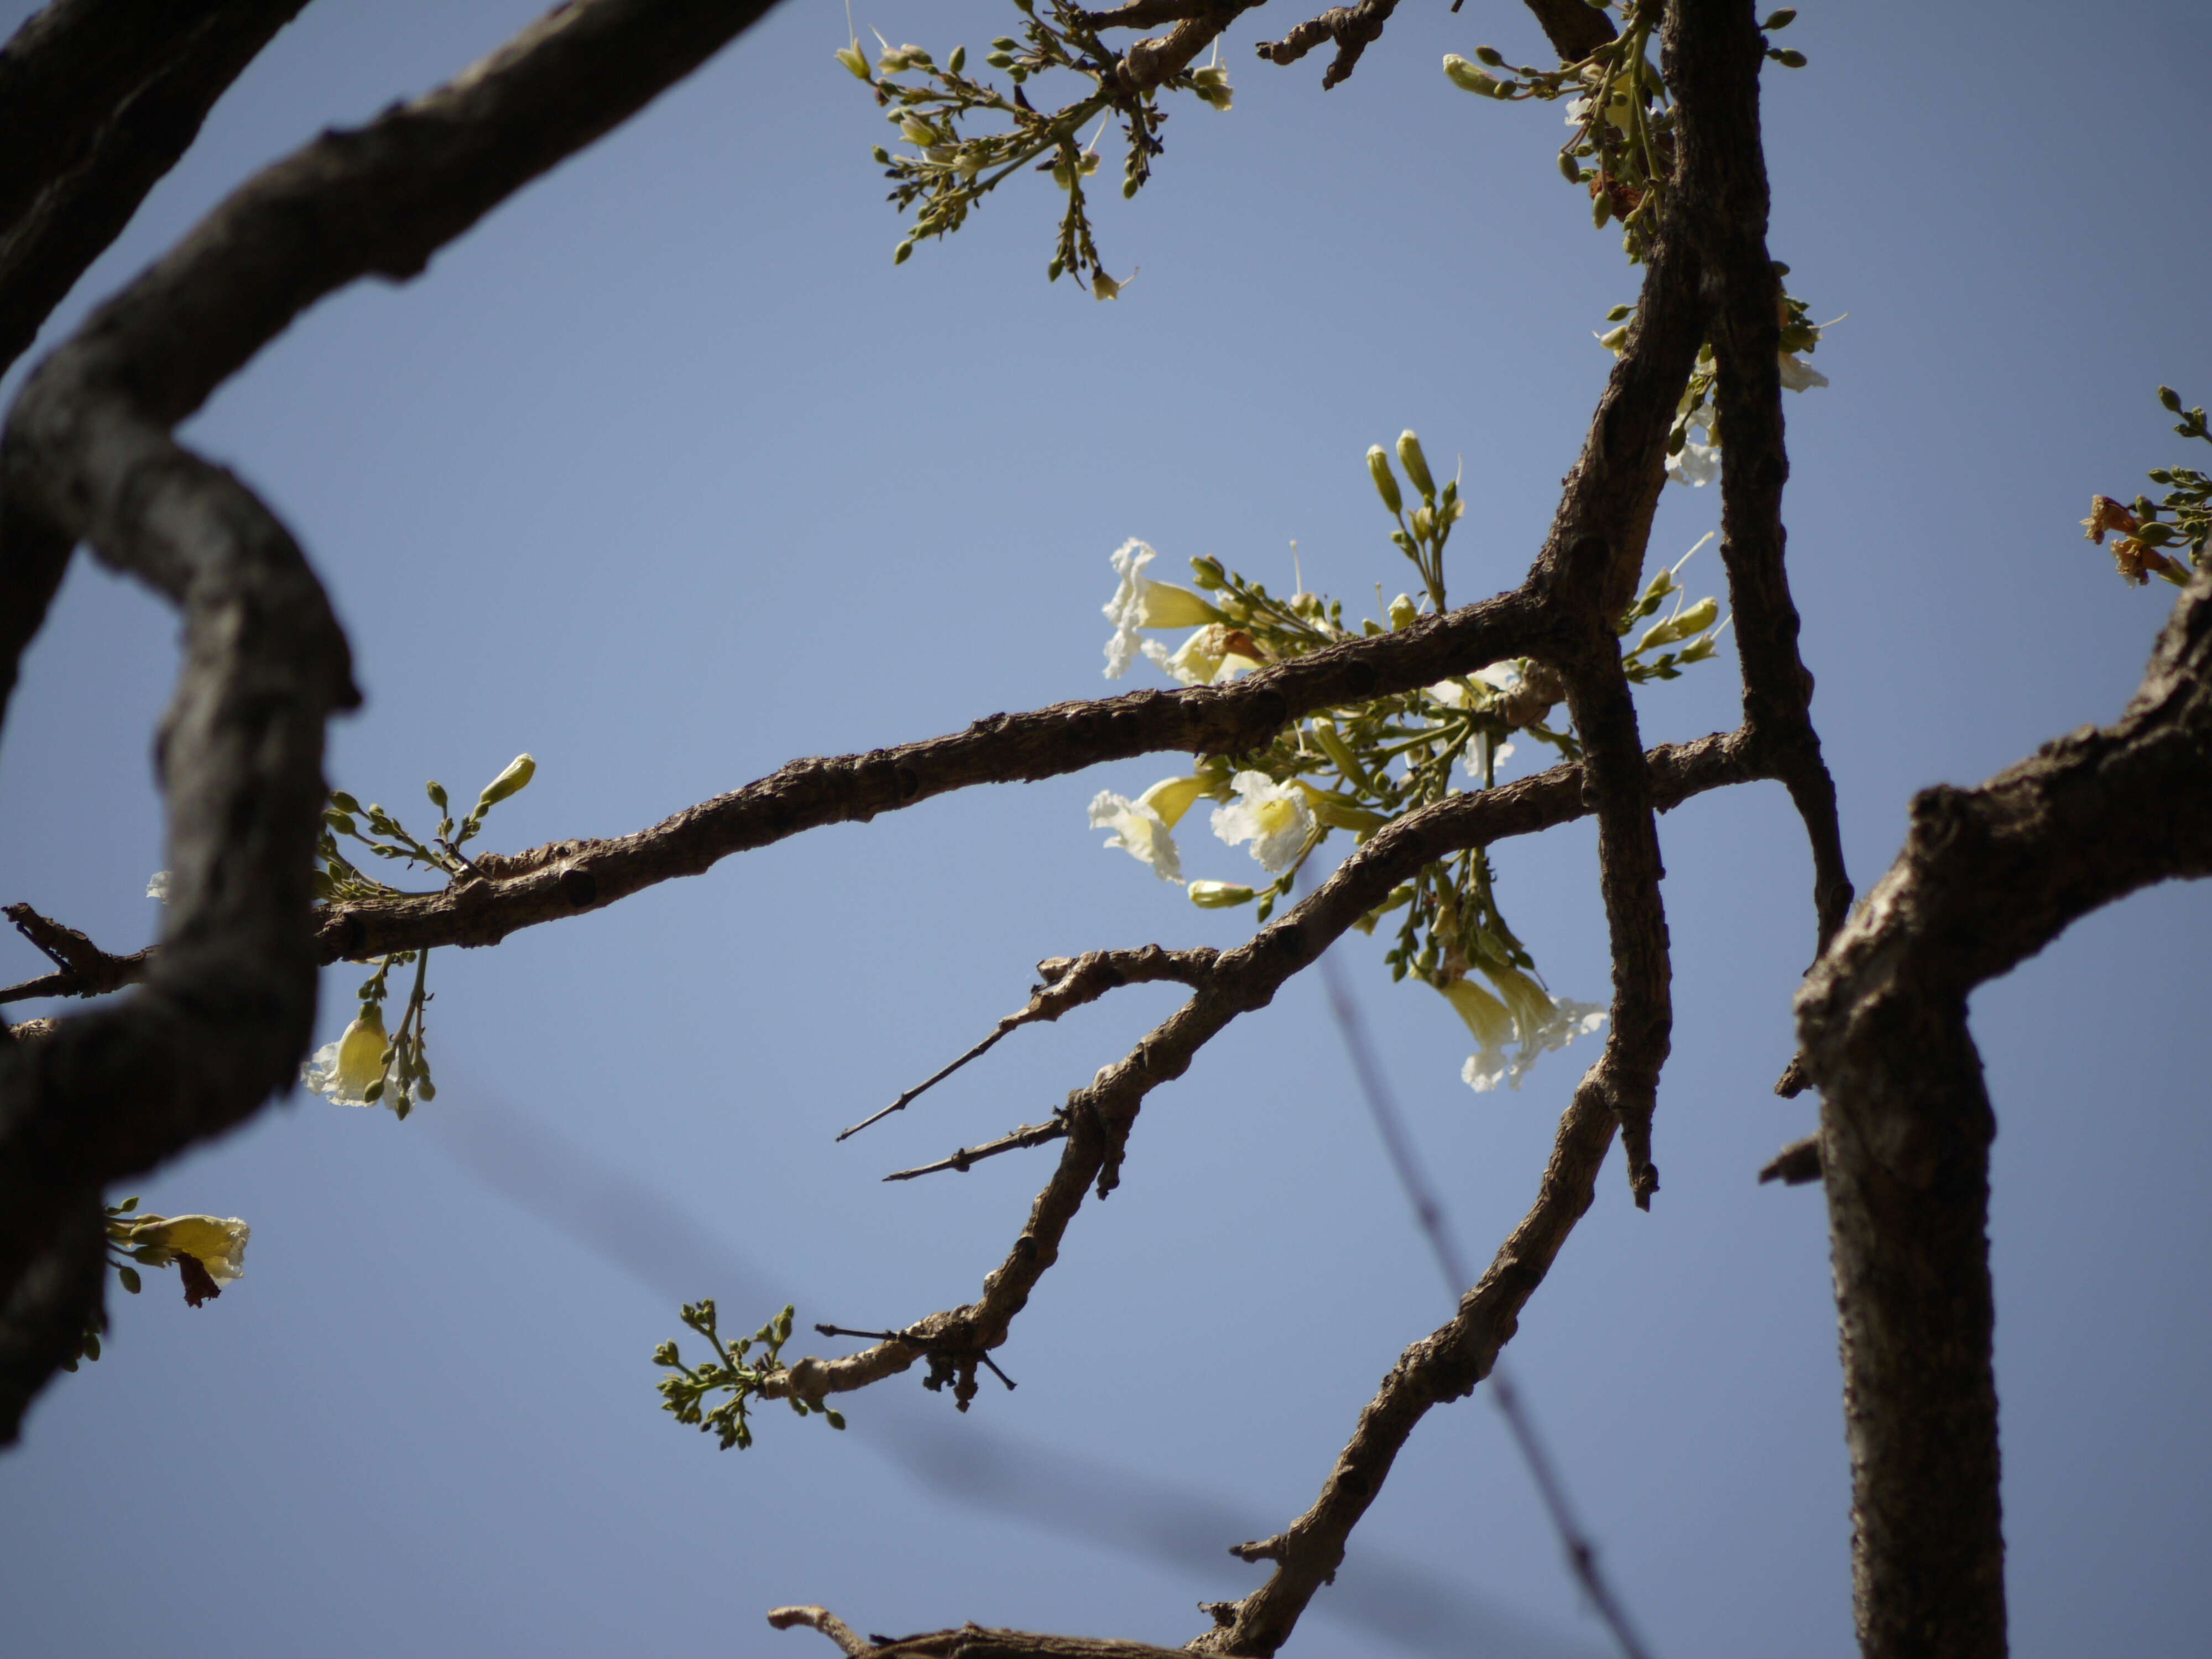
{"x":664,"y":474}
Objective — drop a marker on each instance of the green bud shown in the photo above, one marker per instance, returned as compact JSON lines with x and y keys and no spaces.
{"x":1218,"y":894}
{"x":1206,"y":573}
{"x":1415,"y":463}
{"x":129,"y":1277}
{"x":1467,"y":78}
{"x":436,"y":791}
{"x":836,"y":1418}
{"x":340,"y":823}
{"x":1600,"y":209}
{"x":1386,"y":483}
{"x":1781,"y":20}
{"x":1618,"y":314}
{"x":883,"y":156}
{"x":1788,"y":58}
{"x":958,"y":61}
{"x":903,"y":252}
{"x":1005,"y":43}
{"x":1129,"y":189}
{"x":1052,"y":272}
{"x":1570,"y":169}
{"x":2171,"y":399}
{"x":344,"y":802}
{"x":999,"y":60}
{"x":1491,"y":55}
{"x":373,"y":1090}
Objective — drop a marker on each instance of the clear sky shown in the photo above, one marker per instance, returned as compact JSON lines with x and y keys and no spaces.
{"x":664,"y":474}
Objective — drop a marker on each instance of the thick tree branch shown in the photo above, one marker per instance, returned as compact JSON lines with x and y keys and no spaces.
{"x":1987,"y":877}
{"x":564,"y":879}
{"x":225,"y":1015}
{"x":99,"y":99}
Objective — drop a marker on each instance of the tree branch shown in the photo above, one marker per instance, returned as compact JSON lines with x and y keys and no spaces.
{"x":1987,"y":877}
{"x":100,"y":98}
{"x":1442,"y":1367}
{"x":1724,"y":196}
{"x":1095,"y":1121}
{"x":229,"y":1006}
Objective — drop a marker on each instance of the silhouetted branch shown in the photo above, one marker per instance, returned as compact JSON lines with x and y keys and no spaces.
{"x":99,"y":98}
{"x":225,"y":1015}
{"x":86,"y":970}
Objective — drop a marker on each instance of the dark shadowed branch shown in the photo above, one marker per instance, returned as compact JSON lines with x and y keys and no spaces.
{"x":225,"y":1015}
{"x":99,"y":98}
{"x":1987,"y":877}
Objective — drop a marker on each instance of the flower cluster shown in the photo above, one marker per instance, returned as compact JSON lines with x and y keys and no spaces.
{"x":367,"y":1064}
{"x":2142,"y":531}
{"x":951,"y":166}
{"x":1359,"y":767}
{"x":1621,"y":147}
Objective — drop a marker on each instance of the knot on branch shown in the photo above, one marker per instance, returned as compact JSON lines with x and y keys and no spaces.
{"x":1353,"y":28}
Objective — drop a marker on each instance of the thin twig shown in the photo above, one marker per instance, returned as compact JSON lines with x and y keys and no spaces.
{"x":964,"y":1158}
{"x":1066,"y":982}
{"x":1582,"y":1553}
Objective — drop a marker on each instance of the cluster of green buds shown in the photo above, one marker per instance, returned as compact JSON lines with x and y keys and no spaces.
{"x":1622,"y":146}
{"x":369,"y":1065}
{"x":1359,"y":767}
{"x":684,"y":1391}
{"x":2180,"y":520}
{"x":939,"y":108}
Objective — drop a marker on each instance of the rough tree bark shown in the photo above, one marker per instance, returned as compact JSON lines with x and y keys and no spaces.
{"x":1987,"y":878}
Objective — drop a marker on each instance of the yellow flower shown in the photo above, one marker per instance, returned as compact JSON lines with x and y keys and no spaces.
{"x":219,"y":1244}
{"x":345,"y":1071}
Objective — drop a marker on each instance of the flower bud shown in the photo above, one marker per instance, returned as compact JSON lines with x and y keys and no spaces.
{"x":1206,"y":572}
{"x":1218,"y":894}
{"x":515,"y":778}
{"x":1386,"y":481}
{"x":851,"y":58}
{"x":1415,"y":463}
{"x":1467,"y":78}
{"x":1403,"y":612}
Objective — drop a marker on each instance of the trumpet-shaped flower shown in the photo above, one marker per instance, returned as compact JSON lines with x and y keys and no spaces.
{"x":343,"y":1071}
{"x":1798,"y":375}
{"x":1139,"y":829}
{"x":208,"y":1252}
{"x":1523,"y":1013}
{"x":1275,"y":817}
{"x":1213,"y":655}
{"x":1140,"y":602}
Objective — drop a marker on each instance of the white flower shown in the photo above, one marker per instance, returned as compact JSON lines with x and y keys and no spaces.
{"x":1798,"y":375}
{"x":1139,"y":602}
{"x":1527,"y":1014}
{"x":1208,"y":656}
{"x":1140,"y":830}
{"x":158,"y":887}
{"x":1275,"y":817}
{"x":343,"y":1071}
{"x":1697,"y":464}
